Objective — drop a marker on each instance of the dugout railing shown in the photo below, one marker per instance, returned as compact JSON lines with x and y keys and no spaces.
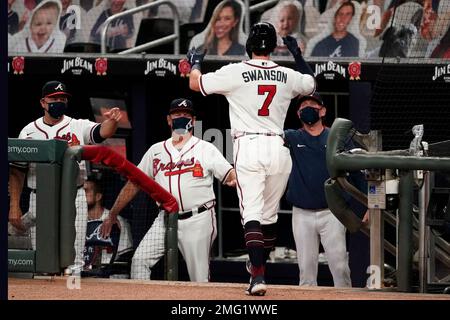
{"x":108,"y":157}
{"x":48,"y":156}
{"x":339,"y":162}
{"x":57,"y":172}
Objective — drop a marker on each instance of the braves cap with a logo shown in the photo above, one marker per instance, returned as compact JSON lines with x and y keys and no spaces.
{"x":315,"y":96}
{"x":54,"y":88}
{"x":182,"y":105}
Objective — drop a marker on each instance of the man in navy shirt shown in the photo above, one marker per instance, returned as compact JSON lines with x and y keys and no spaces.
{"x":312,"y":221}
{"x":340,"y":43}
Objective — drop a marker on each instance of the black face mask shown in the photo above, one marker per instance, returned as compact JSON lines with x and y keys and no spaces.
{"x":57,"y":109}
{"x":309,"y":115}
{"x":182,"y":125}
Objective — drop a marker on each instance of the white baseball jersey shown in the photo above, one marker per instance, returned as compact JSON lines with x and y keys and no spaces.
{"x":74,"y":131}
{"x":259,"y":93}
{"x":187,"y":173}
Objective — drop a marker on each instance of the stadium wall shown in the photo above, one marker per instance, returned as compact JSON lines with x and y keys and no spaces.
{"x":149,"y":82}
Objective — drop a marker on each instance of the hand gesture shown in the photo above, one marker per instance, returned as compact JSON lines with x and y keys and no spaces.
{"x":195,"y":57}
{"x":231,"y":179}
{"x":292,"y":45}
{"x":15,"y":218}
{"x":106,"y":226}
{"x":113,"y":114}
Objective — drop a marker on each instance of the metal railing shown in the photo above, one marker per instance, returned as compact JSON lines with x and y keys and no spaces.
{"x":175,"y":37}
{"x":256,"y":7}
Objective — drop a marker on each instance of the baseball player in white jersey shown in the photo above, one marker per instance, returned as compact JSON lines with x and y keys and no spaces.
{"x":259,"y":93}
{"x":55,"y":125}
{"x":185,"y":166}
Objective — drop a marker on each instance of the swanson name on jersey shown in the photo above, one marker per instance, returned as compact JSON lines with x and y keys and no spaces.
{"x":255,"y":75}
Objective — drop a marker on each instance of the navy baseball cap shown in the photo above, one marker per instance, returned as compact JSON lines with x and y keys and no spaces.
{"x":54,"y":88}
{"x":183,"y":105}
{"x":315,"y":96}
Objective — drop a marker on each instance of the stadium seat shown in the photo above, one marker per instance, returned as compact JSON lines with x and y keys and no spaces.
{"x":187,"y":32}
{"x":153,"y":29}
{"x":88,"y":47}
{"x":93,"y":14}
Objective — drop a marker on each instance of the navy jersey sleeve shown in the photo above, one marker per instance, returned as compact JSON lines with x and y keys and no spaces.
{"x":288,"y":136}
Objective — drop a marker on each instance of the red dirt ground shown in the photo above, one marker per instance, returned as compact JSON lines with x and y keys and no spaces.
{"x":121,"y":289}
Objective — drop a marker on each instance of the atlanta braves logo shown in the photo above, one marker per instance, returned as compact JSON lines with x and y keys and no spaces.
{"x":183,"y":103}
{"x":71,"y":139}
{"x":159,"y":166}
{"x":95,"y":235}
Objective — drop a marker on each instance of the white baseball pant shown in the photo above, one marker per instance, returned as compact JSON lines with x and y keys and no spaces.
{"x":310,"y":228}
{"x":262,"y":166}
{"x":195,"y":238}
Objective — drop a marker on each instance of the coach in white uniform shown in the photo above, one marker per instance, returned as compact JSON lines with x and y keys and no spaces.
{"x":185,"y":166}
{"x":259,"y":93}
{"x":56,"y":125}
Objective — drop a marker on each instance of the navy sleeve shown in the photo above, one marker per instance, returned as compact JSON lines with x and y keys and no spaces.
{"x":288,"y":137}
{"x":303,"y":66}
{"x":96,"y":135}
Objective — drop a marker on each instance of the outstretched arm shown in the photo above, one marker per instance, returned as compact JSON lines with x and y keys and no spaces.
{"x":195,"y":59}
{"x":193,"y":80}
{"x":292,"y":46}
{"x":127,"y":193}
{"x":109,"y":126}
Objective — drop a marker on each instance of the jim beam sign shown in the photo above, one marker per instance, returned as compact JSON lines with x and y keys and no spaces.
{"x":442,"y":73}
{"x":330,"y":70}
{"x":77,"y":66}
{"x":160,"y":68}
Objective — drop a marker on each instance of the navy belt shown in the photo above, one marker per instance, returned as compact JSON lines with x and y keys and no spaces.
{"x":188,"y":214}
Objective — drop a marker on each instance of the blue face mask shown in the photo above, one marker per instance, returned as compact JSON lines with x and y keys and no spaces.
{"x":57,"y":109}
{"x":309,"y":115}
{"x":182,"y":125}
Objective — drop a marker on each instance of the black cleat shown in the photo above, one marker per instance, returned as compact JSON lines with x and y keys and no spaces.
{"x":257,"y":287}
{"x":248,"y":266}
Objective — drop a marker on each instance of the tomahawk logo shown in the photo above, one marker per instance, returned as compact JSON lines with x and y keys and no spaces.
{"x":183,"y":103}
{"x":97,"y":236}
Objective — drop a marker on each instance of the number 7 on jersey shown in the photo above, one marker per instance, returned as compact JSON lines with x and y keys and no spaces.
{"x":271,"y":90}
